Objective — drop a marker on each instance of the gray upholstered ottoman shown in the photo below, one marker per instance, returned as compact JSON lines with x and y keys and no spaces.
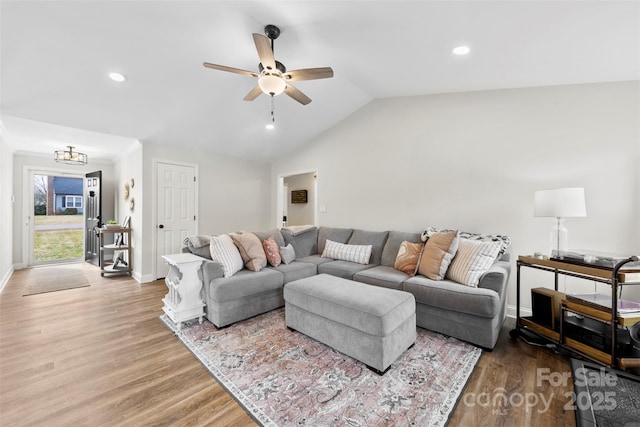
{"x":371,"y":324}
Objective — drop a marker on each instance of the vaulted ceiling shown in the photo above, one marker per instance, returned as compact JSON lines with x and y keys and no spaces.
{"x":55,"y":57}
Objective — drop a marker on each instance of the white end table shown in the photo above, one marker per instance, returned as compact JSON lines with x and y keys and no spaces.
{"x":183,"y":301}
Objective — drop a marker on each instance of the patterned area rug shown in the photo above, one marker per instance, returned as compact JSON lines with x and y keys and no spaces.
{"x":284,"y":378}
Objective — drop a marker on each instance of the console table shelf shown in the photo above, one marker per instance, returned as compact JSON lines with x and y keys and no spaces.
{"x":608,"y":321}
{"x":120,"y":266}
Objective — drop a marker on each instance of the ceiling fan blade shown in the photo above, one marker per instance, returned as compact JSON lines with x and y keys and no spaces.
{"x":309,"y":74}
{"x":253,"y":94}
{"x":230,"y":69}
{"x":263,"y":45}
{"x":297,"y":95}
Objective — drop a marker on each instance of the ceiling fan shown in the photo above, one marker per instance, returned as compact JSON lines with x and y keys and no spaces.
{"x":273,"y":77}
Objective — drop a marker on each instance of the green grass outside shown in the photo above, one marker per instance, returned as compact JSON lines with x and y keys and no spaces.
{"x":56,"y":245}
{"x":58,"y":219}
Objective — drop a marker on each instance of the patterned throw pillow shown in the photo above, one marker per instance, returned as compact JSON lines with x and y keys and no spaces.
{"x":225,"y":253}
{"x":504,"y":241}
{"x":251,"y":251}
{"x":288,"y":254}
{"x":472,"y":260}
{"x":353,"y":253}
{"x":272,"y":251}
{"x":408,"y":257}
{"x":437,"y":254}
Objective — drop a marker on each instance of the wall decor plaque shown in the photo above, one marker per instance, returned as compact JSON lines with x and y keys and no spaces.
{"x":299,"y":196}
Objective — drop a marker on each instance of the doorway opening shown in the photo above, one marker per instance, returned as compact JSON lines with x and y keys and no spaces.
{"x":297,"y":199}
{"x":58,"y":218}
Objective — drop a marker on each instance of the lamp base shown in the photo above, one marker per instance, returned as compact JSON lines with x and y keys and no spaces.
{"x":558,"y":238}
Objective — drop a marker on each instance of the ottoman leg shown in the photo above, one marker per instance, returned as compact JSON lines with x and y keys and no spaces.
{"x":381,"y":373}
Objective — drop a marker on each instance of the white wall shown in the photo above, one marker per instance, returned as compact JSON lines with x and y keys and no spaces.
{"x":23,"y":162}
{"x":128,"y":167}
{"x":6,"y":210}
{"x":472,"y":161}
{"x":233,"y":195}
{"x":300,"y":213}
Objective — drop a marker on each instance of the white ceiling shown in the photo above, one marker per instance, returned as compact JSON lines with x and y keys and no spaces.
{"x":55,"y":56}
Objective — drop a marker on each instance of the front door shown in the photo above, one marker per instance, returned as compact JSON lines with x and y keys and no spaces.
{"x":176,"y":210}
{"x":92,"y":216}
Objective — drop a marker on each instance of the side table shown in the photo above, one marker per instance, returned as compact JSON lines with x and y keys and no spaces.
{"x":183,"y":301}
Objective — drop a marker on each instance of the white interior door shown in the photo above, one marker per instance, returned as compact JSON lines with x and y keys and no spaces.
{"x":176,"y":210}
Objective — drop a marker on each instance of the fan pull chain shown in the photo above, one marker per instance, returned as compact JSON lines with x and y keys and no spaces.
{"x":272,"y":125}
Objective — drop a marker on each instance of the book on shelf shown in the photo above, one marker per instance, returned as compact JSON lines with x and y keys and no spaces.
{"x":603,"y":301}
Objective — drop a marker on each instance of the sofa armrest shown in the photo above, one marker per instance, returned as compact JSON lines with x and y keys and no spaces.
{"x":496,"y":278}
{"x":211,"y":270}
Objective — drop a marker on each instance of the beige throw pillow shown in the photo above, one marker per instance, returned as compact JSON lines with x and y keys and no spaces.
{"x":437,"y":255}
{"x":251,"y":251}
{"x":472,"y":260}
{"x":408,"y":257}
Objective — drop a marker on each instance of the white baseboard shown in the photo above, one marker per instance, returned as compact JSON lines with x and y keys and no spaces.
{"x":143,"y":279}
{"x":5,"y":278}
{"x":511,"y":311}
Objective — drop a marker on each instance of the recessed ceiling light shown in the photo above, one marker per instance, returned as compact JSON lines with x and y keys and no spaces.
{"x":461,"y":50}
{"x":117,"y":77}
{"x":269,"y":126}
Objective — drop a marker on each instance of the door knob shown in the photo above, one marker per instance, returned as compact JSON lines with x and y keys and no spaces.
{"x":161,"y":226}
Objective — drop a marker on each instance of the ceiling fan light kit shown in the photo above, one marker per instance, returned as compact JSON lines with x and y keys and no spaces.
{"x":271,"y":84}
{"x":273,"y":77}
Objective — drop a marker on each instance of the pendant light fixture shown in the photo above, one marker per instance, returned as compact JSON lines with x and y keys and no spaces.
{"x":70,"y":157}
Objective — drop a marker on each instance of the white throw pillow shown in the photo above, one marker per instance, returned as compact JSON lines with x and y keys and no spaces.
{"x":472,"y":260}
{"x":225,"y":253}
{"x":353,"y":253}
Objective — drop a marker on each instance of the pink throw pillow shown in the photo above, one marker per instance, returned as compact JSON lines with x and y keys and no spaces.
{"x":272,"y":251}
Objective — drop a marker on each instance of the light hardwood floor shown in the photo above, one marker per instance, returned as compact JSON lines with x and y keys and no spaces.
{"x":100,"y":356}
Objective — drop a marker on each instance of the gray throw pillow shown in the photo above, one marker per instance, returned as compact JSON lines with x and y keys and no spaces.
{"x":288,"y":254}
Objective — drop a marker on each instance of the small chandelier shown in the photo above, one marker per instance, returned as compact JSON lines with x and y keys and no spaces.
{"x":70,"y":157}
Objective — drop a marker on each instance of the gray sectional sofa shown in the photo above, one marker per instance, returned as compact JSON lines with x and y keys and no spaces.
{"x":473,"y":314}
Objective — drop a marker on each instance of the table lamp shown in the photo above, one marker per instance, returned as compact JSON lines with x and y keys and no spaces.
{"x":560,"y":203}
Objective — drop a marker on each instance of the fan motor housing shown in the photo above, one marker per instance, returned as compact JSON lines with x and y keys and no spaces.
{"x":279,"y":65}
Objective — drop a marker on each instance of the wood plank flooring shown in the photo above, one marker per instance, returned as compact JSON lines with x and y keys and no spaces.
{"x":99,"y":356}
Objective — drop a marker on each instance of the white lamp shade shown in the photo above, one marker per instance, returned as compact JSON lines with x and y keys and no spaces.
{"x":560,"y":203}
{"x":271,"y":84}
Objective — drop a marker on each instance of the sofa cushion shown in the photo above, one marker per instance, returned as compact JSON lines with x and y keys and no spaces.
{"x":272,"y":251}
{"x":340,"y":235}
{"x":315,"y":259}
{"x":437,"y":255}
{"x":376,"y":239}
{"x":275,"y":233}
{"x":392,"y":246}
{"x":245,"y":283}
{"x":225,"y":252}
{"x":251,"y":251}
{"x":296,"y":270}
{"x":344,"y":269}
{"x":472,"y":260}
{"x":408,"y":257}
{"x":304,"y":243}
{"x":354,"y":253}
{"x":383,"y":276}
{"x":287,"y":254}
{"x":448,"y":295}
